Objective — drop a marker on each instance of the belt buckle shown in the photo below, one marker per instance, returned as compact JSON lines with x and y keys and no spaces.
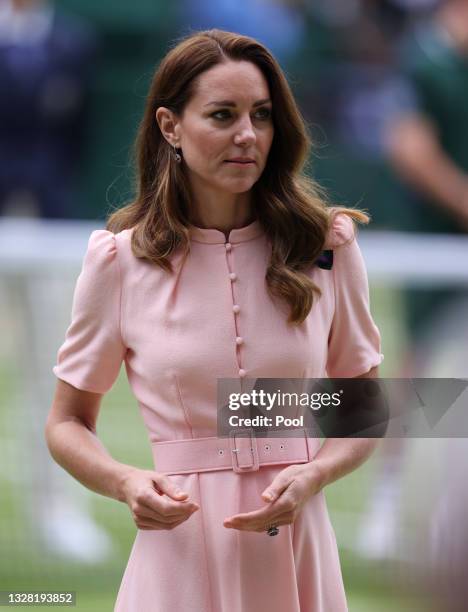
{"x":252,"y":442}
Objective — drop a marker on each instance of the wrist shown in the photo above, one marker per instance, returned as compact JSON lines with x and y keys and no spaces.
{"x":319,"y":473}
{"x":123,"y":477}
{"x":459,"y":200}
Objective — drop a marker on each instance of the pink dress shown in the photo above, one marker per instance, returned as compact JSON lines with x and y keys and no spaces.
{"x":177,"y":335}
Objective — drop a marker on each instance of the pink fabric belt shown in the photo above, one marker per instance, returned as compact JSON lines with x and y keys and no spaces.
{"x":241,"y":452}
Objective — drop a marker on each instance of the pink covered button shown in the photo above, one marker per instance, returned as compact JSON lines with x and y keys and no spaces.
{"x":239,"y":340}
{"x":228,"y":246}
{"x":233,"y":276}
{"x":242,"y":373}
{"x":236,"y":308}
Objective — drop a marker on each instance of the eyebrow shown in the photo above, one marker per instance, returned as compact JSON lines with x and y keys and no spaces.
{"x":231,"y":103}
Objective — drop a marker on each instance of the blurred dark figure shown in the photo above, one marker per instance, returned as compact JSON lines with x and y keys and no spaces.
{"x":390,"y":94}
{"x":427,"y":145}
{"x":425,"y":141}
{"x":351,"y":85}
{"x":46,"y":59}
{"x":45,"y":66}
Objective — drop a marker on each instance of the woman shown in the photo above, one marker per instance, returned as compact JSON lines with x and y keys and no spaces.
{"x":211,"y":273}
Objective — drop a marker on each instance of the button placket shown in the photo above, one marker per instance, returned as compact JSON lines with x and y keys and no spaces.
{"x":235,"y":309}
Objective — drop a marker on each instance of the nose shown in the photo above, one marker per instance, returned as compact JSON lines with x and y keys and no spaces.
{"x":245,"y":134}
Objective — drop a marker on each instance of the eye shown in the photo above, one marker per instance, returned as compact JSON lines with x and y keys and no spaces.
{"x":263,"y":113}
{"x":221,"y":115}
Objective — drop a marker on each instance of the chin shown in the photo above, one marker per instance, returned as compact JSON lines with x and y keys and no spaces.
{"x":239,"y":186}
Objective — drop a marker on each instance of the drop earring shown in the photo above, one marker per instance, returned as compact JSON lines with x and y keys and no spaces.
{"x":176,"y":154}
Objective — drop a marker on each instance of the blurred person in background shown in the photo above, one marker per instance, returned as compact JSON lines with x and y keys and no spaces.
{"x":425,"y":141}
{"x":351,"y":85}
{"x":46,"y":59}
{"x":428,"y":147}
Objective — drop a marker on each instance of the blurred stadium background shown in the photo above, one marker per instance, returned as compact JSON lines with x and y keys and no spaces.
{"x":382,"y":84}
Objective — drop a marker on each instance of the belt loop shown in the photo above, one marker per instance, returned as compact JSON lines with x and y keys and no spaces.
{"x":312,"y":446}
{"x":244,"y":447}
{"x":309,"y":454}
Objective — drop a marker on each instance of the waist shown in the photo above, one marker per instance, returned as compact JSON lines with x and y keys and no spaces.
{"x":242,"y":452}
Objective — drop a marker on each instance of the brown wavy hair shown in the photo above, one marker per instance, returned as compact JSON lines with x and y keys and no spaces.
{"x":291,"y":208}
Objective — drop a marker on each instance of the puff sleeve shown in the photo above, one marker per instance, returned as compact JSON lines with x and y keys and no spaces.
{"x":354,"y":340}
{"x":93,"y":350}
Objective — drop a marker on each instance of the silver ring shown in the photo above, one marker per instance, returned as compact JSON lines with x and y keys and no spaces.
{"x":273,"y":530}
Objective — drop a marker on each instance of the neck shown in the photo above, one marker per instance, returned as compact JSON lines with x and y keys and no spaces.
{"x":221,"y":211}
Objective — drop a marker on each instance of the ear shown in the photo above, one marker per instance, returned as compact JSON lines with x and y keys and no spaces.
{"x":168,"y":124}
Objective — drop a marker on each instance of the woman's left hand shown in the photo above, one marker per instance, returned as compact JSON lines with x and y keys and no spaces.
{"x":289,"y":491}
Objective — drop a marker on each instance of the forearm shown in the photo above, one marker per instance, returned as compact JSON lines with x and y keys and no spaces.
{"x":438,"y":177}
{"x":80,"y":452}
{"x":417,"y":155}
{"x":340,"y":456}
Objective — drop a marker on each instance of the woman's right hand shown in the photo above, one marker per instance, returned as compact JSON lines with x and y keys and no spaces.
{"x":155,"y":501}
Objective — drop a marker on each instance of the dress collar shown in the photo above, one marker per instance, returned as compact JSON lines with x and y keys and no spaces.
{"x":214,"y":236}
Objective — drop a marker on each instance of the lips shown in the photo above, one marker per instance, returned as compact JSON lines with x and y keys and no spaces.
{"x":240,"y":160}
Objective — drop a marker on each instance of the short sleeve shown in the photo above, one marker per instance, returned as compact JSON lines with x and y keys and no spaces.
{"x":93,"y":350}
{"x":354,"y":340}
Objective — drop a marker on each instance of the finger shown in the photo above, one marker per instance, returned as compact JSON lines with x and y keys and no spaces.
{"x":278,"y":522}
{"x":262,"y":514}
{"x":157,"y":525}
{"x":252,"y":519}
{"x":286,"y":518}
{"x":257,"y":515}
{"x":146,"y":512}
{"x":167,"y":486}
{"x":169,"y":507}
{"x":257,"y":526}
{"x":283,"y":519}
{"x":279,"y":484}
{"x":164,"y":506}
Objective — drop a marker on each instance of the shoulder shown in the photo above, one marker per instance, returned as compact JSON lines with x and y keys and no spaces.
{"x":105,"y":244}
{"x":105,"y":250}
{"x":342,"y":230}
{"x":102,"y":241}
{"x":101,"y":252}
